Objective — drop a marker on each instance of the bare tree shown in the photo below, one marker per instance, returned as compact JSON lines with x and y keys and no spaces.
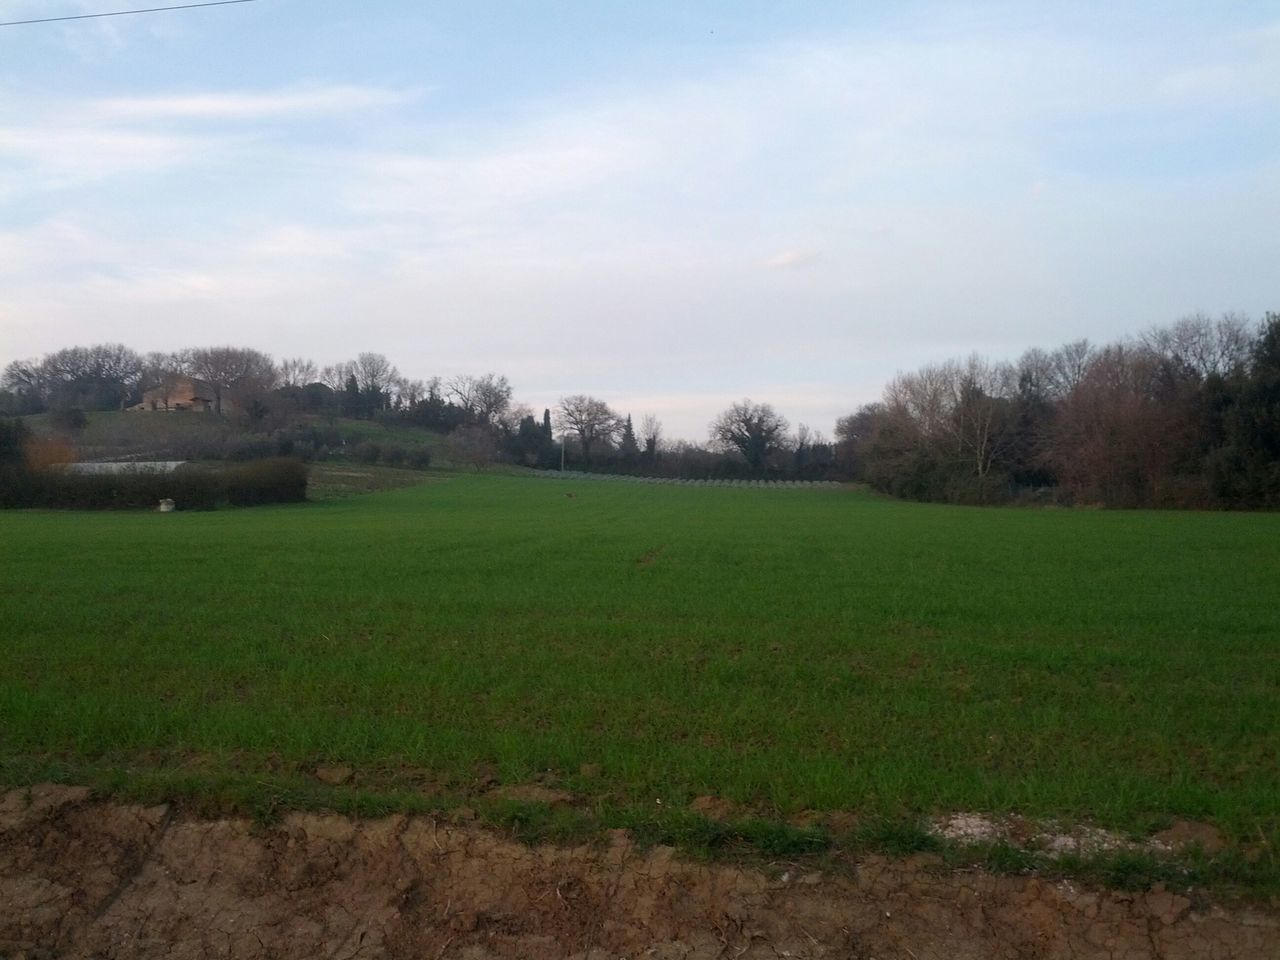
{"x":753,"y":429}
{"x":1115,"y":438}
{"x":297,"y":372}
{"x":473,"y":444}
{"x":484,"y":398}
{"x":161,"y":372}
{"x":24,"y":376}
{"x":1070,"y":364}
{"x":509,"y":419}
{"x":979,"y":406}
{"x":409,"y":392}
{"x":239,"y":370}
{"x":1201,"y":346}
{"x":375,"y":375}
{"x":335,"y":377}
{"x":592,"y":420}
{"x":650,"y":436}
{"x":917,"y":406}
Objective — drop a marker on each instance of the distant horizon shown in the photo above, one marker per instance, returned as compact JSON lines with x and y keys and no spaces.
{"x":670,"y":207}
{"x":669,"y":435}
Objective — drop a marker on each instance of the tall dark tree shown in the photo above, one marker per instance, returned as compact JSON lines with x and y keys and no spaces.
{"x":628,"y":448}
{"x":755,"y":430}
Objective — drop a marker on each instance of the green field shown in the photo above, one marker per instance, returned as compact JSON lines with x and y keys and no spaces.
{"x":783,"y":649}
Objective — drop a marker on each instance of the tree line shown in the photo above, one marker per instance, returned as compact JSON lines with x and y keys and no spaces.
{"x":478,"y":413}
{"x":1185,"y":415}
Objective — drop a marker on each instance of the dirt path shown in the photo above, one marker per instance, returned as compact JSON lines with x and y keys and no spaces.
{"x":80,"y":878}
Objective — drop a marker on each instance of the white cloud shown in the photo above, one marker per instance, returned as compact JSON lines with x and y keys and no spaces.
{"x":250,"y":105}
{"x":791,"y":259}
{"x":52,"y":156}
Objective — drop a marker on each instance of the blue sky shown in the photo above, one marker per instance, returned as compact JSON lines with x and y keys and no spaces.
{"x":670,"y":206}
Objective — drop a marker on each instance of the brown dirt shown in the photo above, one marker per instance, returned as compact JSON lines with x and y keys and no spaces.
{"x":82,"y":878}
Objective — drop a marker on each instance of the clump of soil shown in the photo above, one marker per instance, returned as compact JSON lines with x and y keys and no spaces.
{"x":81,"y":878}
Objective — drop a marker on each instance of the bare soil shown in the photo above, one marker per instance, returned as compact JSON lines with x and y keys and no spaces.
{"x":87,"y":878}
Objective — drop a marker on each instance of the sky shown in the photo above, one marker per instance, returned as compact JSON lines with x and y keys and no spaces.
{"x":670,"y":206}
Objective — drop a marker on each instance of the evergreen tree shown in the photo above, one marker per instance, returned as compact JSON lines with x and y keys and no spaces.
{"x":629,"y":449}
{"x":352,"y":401}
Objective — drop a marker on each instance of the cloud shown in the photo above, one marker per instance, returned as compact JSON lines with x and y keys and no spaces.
{"x":791,"y":259}
{"x":51,"y":156}
{"x":249,"y":105}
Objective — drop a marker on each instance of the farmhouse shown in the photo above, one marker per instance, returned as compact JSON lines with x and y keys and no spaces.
{"x":182,"y":393}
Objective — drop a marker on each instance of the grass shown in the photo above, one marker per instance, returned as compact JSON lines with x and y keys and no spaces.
{"x":785,"y":650}
{"x":335,"y":479}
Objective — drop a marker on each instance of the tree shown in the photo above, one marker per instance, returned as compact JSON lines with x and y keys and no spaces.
{"x":335,"y":377}
{"x":375,"y":376}
{"x":627,"y":446}
{"x":98,"y":377}
{"x":651,"y":435}
{"x":755,"y":430}
{"x":25,"y":381}
{"x":1117,"y":439}
{"x":161,"y":372}
{"x":473,"y":444}
{"x":1243,"y":465}
{"x":243,"y":371}
{"x":855,"y":435}
{"x":591,"y":419}
{"x":297,"y":372}
{"x":484,"y":398}
{"x":980,"y":412}
{"x":1200,"y":347}
{"x":1068,"y":366}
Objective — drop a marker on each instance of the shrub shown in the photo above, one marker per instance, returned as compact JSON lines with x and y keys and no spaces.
{"x":393,"y":455}
{"x":14,"y":436}
{"x":278,"y":480}
{"x":71,"y":420}
{"x":419,"y":458}
{"x":248,"y":448}
{"x":366,"y":452}
{"x":196,"y":487}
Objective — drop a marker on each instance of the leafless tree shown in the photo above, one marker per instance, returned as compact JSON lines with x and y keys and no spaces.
{"x":161,"y":372}
{"x":918,"y":406}
{"x":297,"y":372}
{"x":473,"y":444}
{"x":484,"y":398}
{"x":1116,"y":439}
{"x":335,"y":377}
{"x":375,"y":374}
{"x":409,"y":392}
{"x":23,"y":376}
{"x":1070,"y":364}
{"x":755,"y":430}
{"x":650,"y":435}
{"x":240,"y":370}
{"x":1201,"y":346}
{"x":509,"y":419}
{"x":592,"y":420}
{"x":980,"y":408}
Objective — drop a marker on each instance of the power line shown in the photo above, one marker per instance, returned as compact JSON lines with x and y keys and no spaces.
{"x":124,"y":13}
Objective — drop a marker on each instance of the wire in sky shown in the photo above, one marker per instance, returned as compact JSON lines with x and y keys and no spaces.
{"x":123,"y":13}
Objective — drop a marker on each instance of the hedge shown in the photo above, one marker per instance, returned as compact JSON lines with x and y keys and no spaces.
{"x":191,"y":487}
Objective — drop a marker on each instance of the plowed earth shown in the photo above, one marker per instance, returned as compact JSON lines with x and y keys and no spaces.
{"x":85,"y":878}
